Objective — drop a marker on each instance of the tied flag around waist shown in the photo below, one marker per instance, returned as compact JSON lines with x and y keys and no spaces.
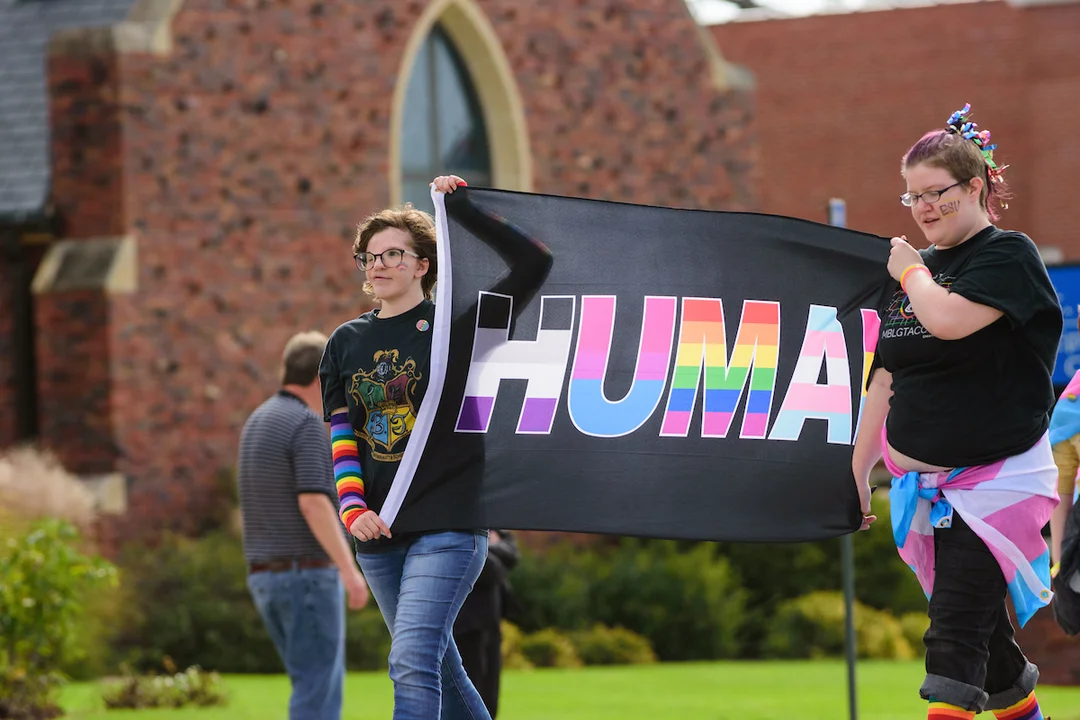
{"x":661,"y":373}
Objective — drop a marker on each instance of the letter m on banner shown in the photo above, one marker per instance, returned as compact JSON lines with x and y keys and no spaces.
{"x":495,"y":357}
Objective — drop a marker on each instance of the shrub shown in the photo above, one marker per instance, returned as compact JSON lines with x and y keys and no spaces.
{"x":880,"y":636}
{"x":914,"y":626}
{"x":552,"y":587}
{"x":808,"y":627}
{"x":601,"y":645}
{"x":91,"y":637}
{"x":683,"y":599}
{"x":188,"y":599}
{"x":211,"y":620}
{"x":773,"y":573}
{"x":512,"y":656}
{"x":175,"y":690}
{"x":367,"y":641}
{"x":550,"y":648}
{"x":43,"y":580}
{"x":882,"y":579}
{"x":34,"y":486}
{"x":813,"y":626}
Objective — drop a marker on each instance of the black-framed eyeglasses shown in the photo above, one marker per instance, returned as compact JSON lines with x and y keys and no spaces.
{"x":390,"y":258}
{"x":930,"y":196}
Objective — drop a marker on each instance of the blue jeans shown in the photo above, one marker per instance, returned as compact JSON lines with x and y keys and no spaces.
{"x":420,"y":587}
{"x":304,"y":613}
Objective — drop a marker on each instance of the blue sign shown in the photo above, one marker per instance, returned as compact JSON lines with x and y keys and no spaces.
{"x":837,"y":212}
{"x":1066,"y":280}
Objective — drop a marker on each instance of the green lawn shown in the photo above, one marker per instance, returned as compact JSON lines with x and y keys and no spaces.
{"x":690,"y":691}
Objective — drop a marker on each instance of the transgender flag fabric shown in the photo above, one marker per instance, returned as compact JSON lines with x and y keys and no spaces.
{"x":1006,"y":503}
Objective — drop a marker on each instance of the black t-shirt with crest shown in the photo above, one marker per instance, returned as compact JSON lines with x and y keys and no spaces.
{"x":378,"y":368}
{"x":987,"y":396}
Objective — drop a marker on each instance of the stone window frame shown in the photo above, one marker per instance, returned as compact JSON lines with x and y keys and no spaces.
{"x":437,"y":52}
{"x":480,"y":50}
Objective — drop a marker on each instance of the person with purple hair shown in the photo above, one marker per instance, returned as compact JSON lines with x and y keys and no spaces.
{"x":958,"y":406}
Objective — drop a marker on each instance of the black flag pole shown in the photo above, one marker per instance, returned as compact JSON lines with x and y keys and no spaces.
{"x":848,"y":560}
{"x":838,"y":217}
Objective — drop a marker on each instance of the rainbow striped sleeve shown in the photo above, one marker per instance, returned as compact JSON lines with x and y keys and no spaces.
{"x":350,"y":481}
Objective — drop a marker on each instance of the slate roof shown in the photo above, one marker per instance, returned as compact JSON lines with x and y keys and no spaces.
{"x":25,"y":29}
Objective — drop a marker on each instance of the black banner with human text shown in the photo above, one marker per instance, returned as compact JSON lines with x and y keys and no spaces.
{"x":612,"y":368}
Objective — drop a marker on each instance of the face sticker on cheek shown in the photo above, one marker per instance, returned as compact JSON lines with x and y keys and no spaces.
{"x":949,"y":208}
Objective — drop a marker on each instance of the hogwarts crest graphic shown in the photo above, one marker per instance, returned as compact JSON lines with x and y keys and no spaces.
{"x":387,"y":395}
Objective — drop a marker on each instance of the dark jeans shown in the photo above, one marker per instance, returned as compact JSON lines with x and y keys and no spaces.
{"x":972,"y":659}
{"x":304,"y":613}
{"x":481,"y":654}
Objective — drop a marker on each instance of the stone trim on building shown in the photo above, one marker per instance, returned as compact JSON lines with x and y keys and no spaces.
{"x":106,"y":264}
{"x":109,"y":490}
{"x":726,"y":76}
{"x":147,"y":29}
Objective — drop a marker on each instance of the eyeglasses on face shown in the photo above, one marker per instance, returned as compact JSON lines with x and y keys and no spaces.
{"x":930,"y":196}
{"x":390,"y":258}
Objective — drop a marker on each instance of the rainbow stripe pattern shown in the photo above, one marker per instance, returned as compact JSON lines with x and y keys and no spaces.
{"x":347,"y":473}
{"x":590,"y":409}
{"x":703,"y":342}
{"x":1026,"y":709}
{"x":871,"y":325}
{"x":805,"y":398}
{"x":945,"y":711}
{"x":744,"y":380}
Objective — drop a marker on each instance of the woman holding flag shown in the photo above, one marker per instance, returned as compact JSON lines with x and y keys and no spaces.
{"x":374,"y":375}
{"x":958,"y":405}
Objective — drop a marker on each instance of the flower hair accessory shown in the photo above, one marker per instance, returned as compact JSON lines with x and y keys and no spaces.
{"x":958,"y":123}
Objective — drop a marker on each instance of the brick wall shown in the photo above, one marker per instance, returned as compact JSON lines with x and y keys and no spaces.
{"x":8,"y":416}
{"x":72,"y":345}
{"x":621,"y":105}
{"x":72,"y":328}
{"x":87,"y":171}
{"x":1053,"y":98}
{"x":841,"y":98}
{"x":252,"y":150}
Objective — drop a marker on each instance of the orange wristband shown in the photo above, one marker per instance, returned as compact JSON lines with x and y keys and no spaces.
{"x":908,"y":269}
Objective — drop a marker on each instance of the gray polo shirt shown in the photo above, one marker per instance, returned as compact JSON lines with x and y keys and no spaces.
{"x":284,"y":451}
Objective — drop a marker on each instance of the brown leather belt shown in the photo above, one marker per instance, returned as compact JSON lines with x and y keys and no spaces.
{"x":283,"y":565}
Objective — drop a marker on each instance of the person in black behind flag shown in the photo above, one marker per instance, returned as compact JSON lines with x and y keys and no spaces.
{"x":478,"y":630}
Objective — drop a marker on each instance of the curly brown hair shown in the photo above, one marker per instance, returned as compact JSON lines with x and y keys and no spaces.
{"x":421,"y":229}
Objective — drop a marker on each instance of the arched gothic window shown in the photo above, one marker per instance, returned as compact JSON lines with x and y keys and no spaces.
{"x":443,"y":128}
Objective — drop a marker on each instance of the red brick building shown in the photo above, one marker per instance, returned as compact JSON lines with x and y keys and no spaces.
{"x":841,"y":97}
{"x":180,"y":181}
